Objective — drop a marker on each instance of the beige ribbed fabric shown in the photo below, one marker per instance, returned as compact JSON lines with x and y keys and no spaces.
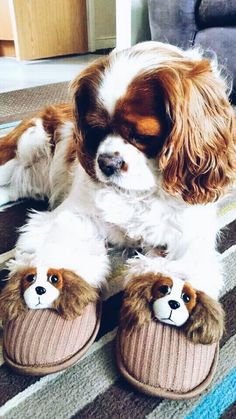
{"x":159,"y":360}
{"x":41,"y":341}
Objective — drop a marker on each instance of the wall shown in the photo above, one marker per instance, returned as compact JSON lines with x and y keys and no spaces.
{"x":131,"y":22}
{"x":105,"y":23}
{"x":140,"y":30}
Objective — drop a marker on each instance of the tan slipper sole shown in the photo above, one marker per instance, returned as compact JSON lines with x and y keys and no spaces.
{"x":42,"y":342}
{"x":160,"y":361}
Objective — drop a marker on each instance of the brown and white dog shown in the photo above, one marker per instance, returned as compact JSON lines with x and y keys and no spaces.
{"x":145,"y":151}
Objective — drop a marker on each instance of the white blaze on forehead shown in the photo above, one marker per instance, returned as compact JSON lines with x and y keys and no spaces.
{"x":116,"y":80}
{"x":177,"y":287}
{"x":123,"y":69}
{"x":125,"y":65}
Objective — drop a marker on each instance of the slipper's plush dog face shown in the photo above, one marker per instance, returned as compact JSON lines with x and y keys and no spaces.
{"x":174,"y":300}
{"x":155,"y":296}
{"x":41,"y":288}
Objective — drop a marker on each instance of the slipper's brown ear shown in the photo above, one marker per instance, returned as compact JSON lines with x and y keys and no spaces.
{"x":11,"y":299}
{"x":75,"y":295}
{"x":206,"y":322}
{"x":136,"y":308}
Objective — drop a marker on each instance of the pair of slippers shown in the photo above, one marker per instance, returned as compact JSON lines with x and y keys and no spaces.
{"x":157,"y":359}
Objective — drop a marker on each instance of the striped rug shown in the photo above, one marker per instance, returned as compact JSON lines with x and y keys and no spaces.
{"x":94,"y":388}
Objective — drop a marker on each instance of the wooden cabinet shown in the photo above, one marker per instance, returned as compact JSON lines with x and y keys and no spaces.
{"x":45,"y":28}
{"x":6,"y":32}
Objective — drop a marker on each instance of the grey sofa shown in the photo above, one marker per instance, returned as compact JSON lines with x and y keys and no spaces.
{"x":208,"y":23}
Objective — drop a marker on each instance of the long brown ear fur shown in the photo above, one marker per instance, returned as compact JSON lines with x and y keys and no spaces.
{"x":75,"y":295}
{"x":136,"y":308}
{"x":11,"y":300}
{"x":198,"y":160}
{"x":206,"y":322}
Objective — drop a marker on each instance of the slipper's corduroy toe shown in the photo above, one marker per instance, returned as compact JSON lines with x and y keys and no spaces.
{"x":160,"y":361}
{"x":42,"y":342}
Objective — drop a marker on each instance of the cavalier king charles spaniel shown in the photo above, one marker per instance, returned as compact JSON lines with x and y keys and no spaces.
{"x":145,"y":151}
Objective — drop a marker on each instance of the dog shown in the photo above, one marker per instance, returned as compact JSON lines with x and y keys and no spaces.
{"x":146,"y":150}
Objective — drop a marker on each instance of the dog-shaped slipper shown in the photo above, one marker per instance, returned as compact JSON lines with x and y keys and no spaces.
{"x":59,"y":289}
{"x":173,"y":301}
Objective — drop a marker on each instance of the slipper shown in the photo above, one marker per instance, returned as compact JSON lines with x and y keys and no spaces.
{"x":41,"y":342}
{"x":160,"y":361}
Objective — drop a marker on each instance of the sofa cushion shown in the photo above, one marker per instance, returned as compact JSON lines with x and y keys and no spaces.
{"x":216,"y":13}
{"x":220,"y":40}
{"x":173,"y":21}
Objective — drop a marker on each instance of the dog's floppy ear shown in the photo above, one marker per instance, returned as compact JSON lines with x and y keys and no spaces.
{"x":206,"y":322}
{"x":11,"y":299}
{"x":75,"y":295}
{"x":198,"y":158}
{"x":136,"y":308}
{"x":88,"y":112}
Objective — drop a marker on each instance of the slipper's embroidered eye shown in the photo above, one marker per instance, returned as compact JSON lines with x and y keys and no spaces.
{"x":165,"y":289}
{"x":30,"y":278}
{"x":185,"y":297}
{"x":53,"y":279}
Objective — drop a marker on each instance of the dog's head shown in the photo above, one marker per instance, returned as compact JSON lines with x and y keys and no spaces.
{"x":155,"y":113}
{"x":33,"y":288}
{"x":172,"y":301}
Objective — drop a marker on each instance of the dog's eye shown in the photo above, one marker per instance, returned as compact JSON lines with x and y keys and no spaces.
{"x":30,"y":278}
{"x":53,"y":279}
{"x":164,"y":289}
{"x":140,"y":139}
{"x":144,"y":139}
{"x":186,"y":298}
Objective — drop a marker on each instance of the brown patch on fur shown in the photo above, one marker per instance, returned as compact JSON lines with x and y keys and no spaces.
{"x":12,"y":303}
{"x":57,"y":272}
{"x":156,"y":292}
{"x":206,"y":323}
{"x":188,"y":289}
{"x":125,"y":167}
{"x":76,"y":294}
{"x":141,"y":113}
{"x":145,"y":125}
{"x":53,"y":117}
{"x":136,"y":309}
{"x":24,"y":283}
{"x":8,"y":144}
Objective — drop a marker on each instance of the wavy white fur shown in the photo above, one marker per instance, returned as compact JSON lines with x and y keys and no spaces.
{"x":62,"y":239}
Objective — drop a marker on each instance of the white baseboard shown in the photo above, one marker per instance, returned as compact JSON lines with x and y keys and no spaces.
{"x":105,"y":42}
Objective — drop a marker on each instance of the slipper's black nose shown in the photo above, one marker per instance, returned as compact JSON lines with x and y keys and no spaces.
{"x":40,"y":290}
{"x":173,"y":304}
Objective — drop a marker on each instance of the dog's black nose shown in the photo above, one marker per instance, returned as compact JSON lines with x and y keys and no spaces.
{"x":174,"y":304}
{"x":40,"y":290}
{"x":110,"y":163}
